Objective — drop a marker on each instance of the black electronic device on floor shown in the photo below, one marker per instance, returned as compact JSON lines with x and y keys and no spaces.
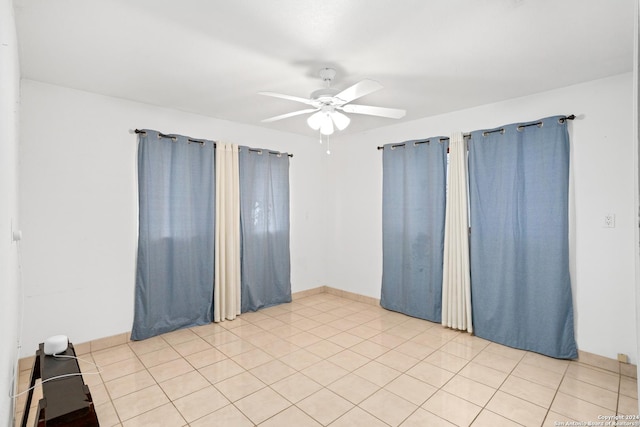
{"x":66,"y":400}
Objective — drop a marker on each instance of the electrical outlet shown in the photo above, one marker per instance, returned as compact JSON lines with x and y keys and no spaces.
{"x":609,"y":220}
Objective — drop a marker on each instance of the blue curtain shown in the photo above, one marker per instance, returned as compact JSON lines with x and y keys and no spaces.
{"x":413,"y":212}
{"x":264,"y":229}
{"x":520,"y":285}
{"x":174,"y":278}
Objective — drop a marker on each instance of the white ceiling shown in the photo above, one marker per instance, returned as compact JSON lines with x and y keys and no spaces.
{"x":211,"y":57}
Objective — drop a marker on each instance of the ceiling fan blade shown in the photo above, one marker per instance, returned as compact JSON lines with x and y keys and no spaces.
{"x":392,"y":113}
{"x":362,"y":88}
{"x":284,"y":116}
{"x":289,"y":97}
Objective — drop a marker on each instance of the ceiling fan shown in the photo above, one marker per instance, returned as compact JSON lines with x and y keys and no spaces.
{"x":328,"y":103}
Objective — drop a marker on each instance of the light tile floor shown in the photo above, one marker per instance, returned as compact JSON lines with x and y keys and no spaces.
{"x":327,"y":360}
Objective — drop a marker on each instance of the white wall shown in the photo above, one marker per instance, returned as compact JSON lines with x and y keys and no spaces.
{"x":602,"y":172}
{"x":78,"y":205}
{"x":9,"y":291}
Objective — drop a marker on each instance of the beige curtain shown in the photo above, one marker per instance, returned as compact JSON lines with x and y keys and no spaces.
{"x":226,"y":290}
{"x":456,"y":277}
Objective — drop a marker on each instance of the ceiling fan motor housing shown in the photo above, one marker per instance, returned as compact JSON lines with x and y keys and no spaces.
{"x":324,"y":96}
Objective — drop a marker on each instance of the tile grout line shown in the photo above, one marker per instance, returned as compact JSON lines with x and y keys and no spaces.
{"x":355,"y":317}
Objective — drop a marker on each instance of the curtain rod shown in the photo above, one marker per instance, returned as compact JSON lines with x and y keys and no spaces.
{"x":200,"y":141}
{"x":468,"y":135}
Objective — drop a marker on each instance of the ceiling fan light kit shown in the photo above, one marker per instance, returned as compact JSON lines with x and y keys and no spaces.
{"x":327,"y":102}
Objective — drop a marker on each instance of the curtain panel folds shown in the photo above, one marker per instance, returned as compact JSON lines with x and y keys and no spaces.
{"x":519,"y":180}
{"x":174,"y":273}
{"x":413,"y":211}
{"x":264,"y":229}
{"x":456,"y":276}
{"x":226,"y":292}
{"x":508,"y":280}
{"x":213,"y":235}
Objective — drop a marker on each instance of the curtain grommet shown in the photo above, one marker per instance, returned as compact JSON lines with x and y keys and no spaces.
{"x":487,"y":132}
{"x":520,"y":128}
